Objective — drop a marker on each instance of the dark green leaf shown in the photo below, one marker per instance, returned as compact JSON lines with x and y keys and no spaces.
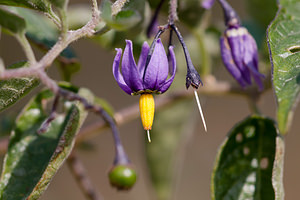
{"x":14,"y":89}
{"x":32,"y":160}
{"x":168,"y":134}
{"x":41,"y":5}
{"x":283,"y":38}
{"x":65,"y":145}
{"x":11,"y":22}
{"x":7,"y":123}
{"x":244,"y":164}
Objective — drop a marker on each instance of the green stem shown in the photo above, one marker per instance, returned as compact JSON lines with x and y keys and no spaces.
{"x":26,"y":47}
{"x":252,"y":102}
{"x":64,"y":22}
{"x":205,"y":58}
{"x":54,"y":18}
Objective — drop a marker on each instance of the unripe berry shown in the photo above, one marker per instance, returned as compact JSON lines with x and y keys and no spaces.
{"x":122,"y":177}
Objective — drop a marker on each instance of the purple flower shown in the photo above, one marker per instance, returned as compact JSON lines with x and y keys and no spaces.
{"x":239,"y":54}
{"x":207,"y":4}
{"x":139,"y":79}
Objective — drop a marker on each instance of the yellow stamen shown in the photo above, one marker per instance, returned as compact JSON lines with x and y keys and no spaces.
{"x":147,"y":112}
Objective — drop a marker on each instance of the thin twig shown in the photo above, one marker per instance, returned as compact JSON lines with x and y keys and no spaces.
{"x":173,"y":12}
{"x":82,"y":179}
{"x":117,"y":7}
{"x":46,"y":123}
{"x":26,"y":47}
{"x":47,"y":59}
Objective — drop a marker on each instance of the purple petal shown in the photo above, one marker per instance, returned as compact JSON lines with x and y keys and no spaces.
{"x":157,"y":69}
{"x":237,"y":47}
{"x":229,"y":63}
{"x":207,"y":4}
{"x":129,"y":69}
{"x":117,"y":74}
{"x":165,"y":86}
{"x":251,"y":54}
{"x":143,"y":58}
{"x":251,"y":59}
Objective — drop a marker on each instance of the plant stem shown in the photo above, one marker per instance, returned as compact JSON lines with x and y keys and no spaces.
{"x":52,"y":16}
{"x":117,"y":7}
{"x":82,"y":179}
{"x":26,"y":48}
{"x":173,"y":12}
{"x":64,"y":23}
{"x":205,"y":59}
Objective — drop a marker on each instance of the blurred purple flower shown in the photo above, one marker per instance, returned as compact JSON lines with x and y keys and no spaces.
{"x":239,"y":54}
{"x":138,"y":79}
{"x":207,"y":4}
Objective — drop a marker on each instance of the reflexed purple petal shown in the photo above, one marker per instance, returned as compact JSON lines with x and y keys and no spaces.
{"x":207,"y":4}
{"x":251,"y":54}
{"x":143,"y":58}
{"x":117,"y":74}
{"x":229,"y":63}
{"x":165,"y":86}
{"x":129,"y":69}
{"x":251,"y":59}
{"x":236,"y":44}
{"x":157,"y":70}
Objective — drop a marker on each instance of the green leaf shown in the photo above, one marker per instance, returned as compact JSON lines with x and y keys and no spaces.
{"x":32,"y":160}
{"x":168,"y":134}
{"x":14,"y":89}
{"x":11,"y":22}
{"x":41,"y":5}
{"x":244,"y":164}
{"x":283,"y":39}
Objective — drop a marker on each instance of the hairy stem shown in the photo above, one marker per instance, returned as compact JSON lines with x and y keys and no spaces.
{"x":78,"y":171}
{"x":173,"y":12}
{"x":52,"y":16}
{"x":26,"y":47}
{"x":117,"y":6}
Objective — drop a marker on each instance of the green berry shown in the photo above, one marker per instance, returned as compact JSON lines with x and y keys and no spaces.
{"x":122,"y":177}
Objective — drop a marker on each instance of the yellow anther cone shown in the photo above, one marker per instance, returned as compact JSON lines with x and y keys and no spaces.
{"x":147,"y":108}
